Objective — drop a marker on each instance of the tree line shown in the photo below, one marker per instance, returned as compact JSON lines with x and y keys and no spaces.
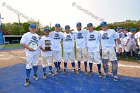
{"x":21,"y":28}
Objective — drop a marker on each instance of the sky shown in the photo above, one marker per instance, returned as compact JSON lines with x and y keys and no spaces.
{"x":67,"y":12}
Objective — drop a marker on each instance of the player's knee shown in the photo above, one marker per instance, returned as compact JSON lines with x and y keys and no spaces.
{"x":49,"y":63}
{"x":90,"y":61}
{"x":35,"y":63}
{"x":28,"y":66}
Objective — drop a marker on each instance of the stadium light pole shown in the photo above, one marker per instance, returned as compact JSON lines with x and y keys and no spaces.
{"x":1,"y":22}
{"x":50,"y":25}
{"x":39,"y":27}
{"x":19,"y":24}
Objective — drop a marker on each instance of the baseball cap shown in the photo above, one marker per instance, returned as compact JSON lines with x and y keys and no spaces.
{"x":118,"y":28}
{"x":46,"y":29}
{"x":57,"y":25}
{"x":32,"y":25}
{"x":133,"y":29}
{"x":67,"y":27}
{"x":89,"y":24}
{"x":79,"y":24}
{"x":103,"y":24}
{"x":126,"y":29}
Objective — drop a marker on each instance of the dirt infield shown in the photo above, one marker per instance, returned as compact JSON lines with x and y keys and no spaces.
{"x":12,"y":57}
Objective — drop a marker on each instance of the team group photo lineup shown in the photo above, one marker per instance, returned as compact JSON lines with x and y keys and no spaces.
{"x":85,"y":47}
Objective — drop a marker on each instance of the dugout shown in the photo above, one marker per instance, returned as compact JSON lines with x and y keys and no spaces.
{"x":11,"y":39}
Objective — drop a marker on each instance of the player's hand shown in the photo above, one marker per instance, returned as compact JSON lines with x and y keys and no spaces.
{"x":31,"y":49}
{"x":43,"y":50}
{"x":120,"y":50}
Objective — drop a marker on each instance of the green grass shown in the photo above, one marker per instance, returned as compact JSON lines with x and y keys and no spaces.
{"x":12,"y":45}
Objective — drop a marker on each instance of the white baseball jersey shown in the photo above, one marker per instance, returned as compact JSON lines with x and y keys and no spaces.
{"x":137,"y":36}
{"x":93,"y":41}
{"x":108,"y":38}
{"x":68,"y":42}
{"x":45,"y":42}
{"x":56,"y":40}
{"x":126,"y":37}
{"x":80,"y":37}
{"x":132,"y":39}
{"x":28,"y":38}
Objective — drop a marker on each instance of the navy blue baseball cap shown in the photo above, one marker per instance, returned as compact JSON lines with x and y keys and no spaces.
{"x":78,"y":24}
{"x":32,"y":25}
{"x":67,"y":26}
{"x":126,"y":29}
{"x":133,"y":29}
{"x":103,"y":24}
{"x":57,"y":25}
{"x":89,"y":24}
{"x":118,"y":28}
{"x":46,"y":29}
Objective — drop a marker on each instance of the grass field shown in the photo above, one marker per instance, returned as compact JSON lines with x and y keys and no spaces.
{"x":12,"y":45}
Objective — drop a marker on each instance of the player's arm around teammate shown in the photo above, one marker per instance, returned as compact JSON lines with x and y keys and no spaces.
{"x":81,"y":46}
{"x":108,"y":37}
{"x":46,"y":52}
{"x":56,"y":37}
{"x":30,"y":42}
{"x":93,"y":45}
{"x":68,"y":45}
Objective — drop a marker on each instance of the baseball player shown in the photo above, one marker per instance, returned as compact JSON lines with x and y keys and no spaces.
{"x":137,"y":37}
{"x":108,"y":38}
{"x":81,"y":46}
{"x":126,"y":41}
{"x":56,"y":37}
{"x":93,"y":45}
{"x":46,"y":52}
{"x":30,"y":42}
{"x":68,"y":45}
{"x":121,"y":36}
{"x":132,"y":43}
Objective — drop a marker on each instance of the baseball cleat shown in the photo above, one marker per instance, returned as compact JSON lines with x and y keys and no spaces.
{"x":74,"y":71}
{"x":65,"y":70}
{"x":86,"y":71}
{"x":100,"y":74}
{"x":27,"y":83}
{"x":126,"y":58}
{"x":115,"y":78}
{"x":90,"y":73}
{"x":57,"y":71}
{"x":51,"y":73}
{"x":79,"y":70}
{"x":44,"y":76}
{"x":35,"y":77}
{"x":105,"y":75}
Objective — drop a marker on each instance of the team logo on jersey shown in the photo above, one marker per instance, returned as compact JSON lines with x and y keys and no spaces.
{"x":56,"y":36}
{"x":132,"y":36}
{"x":105,"y":36}
{"x":68,"y":38}
{"x":120,"y":36}
{"x":92,"y":38}
{"x":47,"y":45}
{"x":33,"y":43}
{"x":34,"y":38}
{"x":79,"y":36}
